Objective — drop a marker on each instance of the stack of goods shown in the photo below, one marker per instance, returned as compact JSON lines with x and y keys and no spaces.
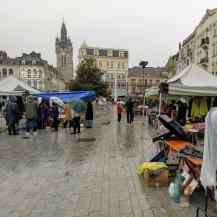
{"x":190,"y":151}
{"x":181,"y":189}
{"x":155,"y":173}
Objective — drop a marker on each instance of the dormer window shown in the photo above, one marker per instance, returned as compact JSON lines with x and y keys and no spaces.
{"x":33,"y":62}
{"x":23,"y":62}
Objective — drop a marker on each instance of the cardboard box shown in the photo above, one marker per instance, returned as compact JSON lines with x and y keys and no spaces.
{"x":161,"y":180}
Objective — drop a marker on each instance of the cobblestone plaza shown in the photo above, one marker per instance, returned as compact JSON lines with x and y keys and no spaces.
{"x":57,"y":175}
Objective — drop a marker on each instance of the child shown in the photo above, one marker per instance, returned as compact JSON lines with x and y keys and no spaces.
{"x":119,"y":110}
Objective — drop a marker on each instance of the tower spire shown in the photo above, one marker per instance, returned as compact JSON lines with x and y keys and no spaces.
{"x":63,"y":32}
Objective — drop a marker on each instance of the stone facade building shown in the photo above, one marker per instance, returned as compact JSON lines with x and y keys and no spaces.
{"x":31,"y":69}
{"x":200,"y":47}
{"x":64,"y":55}
{"x":9,"y":66}
{"x":52,"y":80}
{"x":170,"y":67}
{"x":114,"y":64}
{"x":152,"y":77}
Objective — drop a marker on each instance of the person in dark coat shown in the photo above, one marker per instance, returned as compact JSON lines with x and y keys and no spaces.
{"x":182,"y":110}
{"x":129,"y":108}
{"x":31,"y":115}
{"x":89,"y":115}
{"x":55,"y":115}
{"x":46,"y":114}
{"x":12,"y":114}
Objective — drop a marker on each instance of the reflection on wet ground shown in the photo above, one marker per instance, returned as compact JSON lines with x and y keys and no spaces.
{"x":57,"y":174}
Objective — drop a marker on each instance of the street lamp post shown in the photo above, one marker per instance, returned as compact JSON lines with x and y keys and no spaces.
{"x":143,"y":64}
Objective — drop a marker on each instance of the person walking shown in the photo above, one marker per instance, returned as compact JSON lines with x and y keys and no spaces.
{"x":31,"y":110}
{"x":46,"y":114}
{"x":55,"y":115}
{"x":89,"y":115}
{"x":12,"y":113}
{"x":129,"y":108}
{"x":68,"y":115}
{"x":40,"y":115}
{"x":76,"y":122}
{"x":120,"y":109}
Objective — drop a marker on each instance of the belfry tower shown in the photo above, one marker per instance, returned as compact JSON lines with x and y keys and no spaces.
{"x":64,"y":55}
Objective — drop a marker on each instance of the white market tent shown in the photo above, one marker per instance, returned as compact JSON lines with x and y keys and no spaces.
{"x":12,"y":86}
{"x":193,"y":81}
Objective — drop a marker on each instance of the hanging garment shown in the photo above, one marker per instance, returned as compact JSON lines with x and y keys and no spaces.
{"x":203,"y":107}
{"x":209,"y":166}
{"x":195,"y":108}
{"x":199,"y":107}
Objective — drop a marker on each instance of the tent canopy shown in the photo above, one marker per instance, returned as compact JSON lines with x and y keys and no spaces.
{"x":12,"y":86}
{"x":67,"y":96}
{"x":193,"y":81}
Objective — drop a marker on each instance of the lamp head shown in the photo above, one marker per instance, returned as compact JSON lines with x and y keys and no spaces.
{"x":143,"y":64}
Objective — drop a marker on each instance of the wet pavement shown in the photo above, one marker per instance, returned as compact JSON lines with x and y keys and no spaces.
{"x":57,"y":174}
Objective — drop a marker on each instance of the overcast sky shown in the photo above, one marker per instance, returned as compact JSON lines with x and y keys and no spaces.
{"x":149,"y":29}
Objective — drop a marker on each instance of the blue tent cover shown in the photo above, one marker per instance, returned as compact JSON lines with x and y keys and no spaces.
{"x":66,"y":96}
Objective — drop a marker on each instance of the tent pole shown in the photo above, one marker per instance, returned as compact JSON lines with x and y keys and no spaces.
{"x":160,"y":99}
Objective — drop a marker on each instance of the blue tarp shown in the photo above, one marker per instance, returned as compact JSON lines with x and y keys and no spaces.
{"x":66,"y":96}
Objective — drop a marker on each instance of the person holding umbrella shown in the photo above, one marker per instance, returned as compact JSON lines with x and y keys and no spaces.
{"x":76,"y":125}
{"x":78,"y":106}
{"x":68,"y":115}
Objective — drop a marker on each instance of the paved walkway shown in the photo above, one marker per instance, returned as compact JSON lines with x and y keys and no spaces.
{"x":54,"y":175}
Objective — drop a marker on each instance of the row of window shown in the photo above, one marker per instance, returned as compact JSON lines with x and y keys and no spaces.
{"x":110,"y":64}
{"x":119,"y":85}
{"x":34,"y":73}
{"x":33,"y":62}
{"x":6,"y":72}
{"x":103,"y":52}
{"x":112,"y":76}
{"x":149,"y":82}
{"x":35,"y":84}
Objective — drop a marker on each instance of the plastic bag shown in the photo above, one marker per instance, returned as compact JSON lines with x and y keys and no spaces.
{"x":152,"y":166}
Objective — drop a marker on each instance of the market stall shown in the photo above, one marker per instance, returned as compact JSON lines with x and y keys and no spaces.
{"x":67,"y":96}
{"x":13,"y":86}
{"x":198,"y":87}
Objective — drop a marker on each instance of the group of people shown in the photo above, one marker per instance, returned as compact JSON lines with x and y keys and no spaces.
{"x":129,"y":106}
{"x":43,"y":116}
{"x":180,"y":109}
